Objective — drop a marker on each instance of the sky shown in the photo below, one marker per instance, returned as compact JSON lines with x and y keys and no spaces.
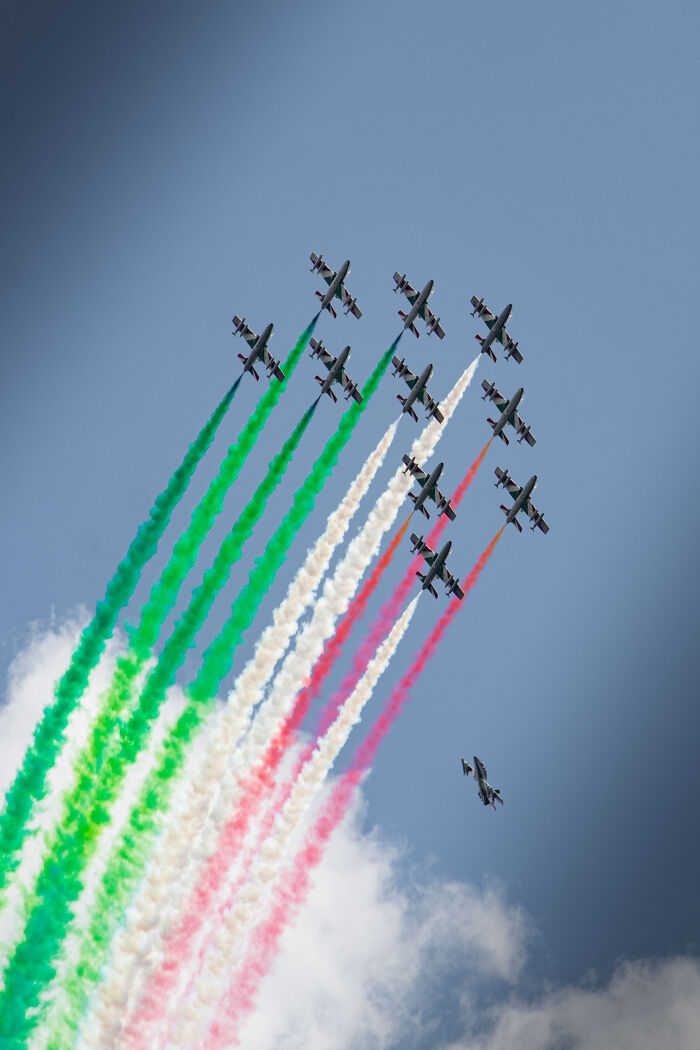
{"x":171,"y":166}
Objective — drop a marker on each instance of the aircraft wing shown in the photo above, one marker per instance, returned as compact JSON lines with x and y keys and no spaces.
{"x":509,"y":345}
{"x":320,"y":351}
{"x":495,"y":395}
{"x":410,"y":292}
{"x":413,"y":468}
{"x":401,"y":369}
{"x":350,"y":387}
{"x":324,"y":269}
{"x":511,"y":488}
{"x":429,"y":317}
{"x":517,"y":422}
{"x":431,"y":405}
{"x":272,"y":365}
{"x":483,"y":311}
{"x":534,"y":514}
{"x":441,"y":501}
{"x":450,"y":581}
{"x":244,"y":330}
{"x":422,"y":548}
{"x":347,"y":300}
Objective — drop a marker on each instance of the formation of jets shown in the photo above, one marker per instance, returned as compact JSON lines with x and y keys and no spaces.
{"x":436,"y":561}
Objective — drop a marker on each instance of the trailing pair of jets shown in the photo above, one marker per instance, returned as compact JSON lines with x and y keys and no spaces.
{"x":437,"y":568}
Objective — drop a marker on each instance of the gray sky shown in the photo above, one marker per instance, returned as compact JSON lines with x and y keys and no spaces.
{"x":169,"y":168}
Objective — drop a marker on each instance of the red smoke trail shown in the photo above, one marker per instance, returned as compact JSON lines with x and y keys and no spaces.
{"x":291,"y":891}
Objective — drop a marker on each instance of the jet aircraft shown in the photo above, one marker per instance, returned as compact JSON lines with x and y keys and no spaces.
{"x":437,"y":567}
{"x":428,"y":483}
{"x":336,"y":372}
{"x":497,"y":326}
{"x":259,"y":351}
{"x":419,"y":307}
{"x":488,"y":795}
{"x":522,"y":501}
{"x":336,"y":286}
{"x":508,"y":413}
{"x":419,"y":390}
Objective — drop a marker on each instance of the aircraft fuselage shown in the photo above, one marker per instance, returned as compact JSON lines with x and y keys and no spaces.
{"x":437,"y":565}
{"x":420,"y":383}
{"x":335,"y":371}
{"x":418,"y":305}
{"x":528,"y":487}
{"x":498,"y":324}
{"x":335,"y":284}
{"x":259,"y":346}
{"x":428,"y":487}
{"x":508,"y":412}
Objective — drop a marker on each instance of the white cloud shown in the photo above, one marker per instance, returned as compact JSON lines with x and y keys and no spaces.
{"x":647,"y":1005}
{"x":372,"y":956}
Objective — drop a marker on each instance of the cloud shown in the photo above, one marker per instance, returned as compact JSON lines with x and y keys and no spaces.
{"x":375,"y":957}
{"x":647,"y":1005}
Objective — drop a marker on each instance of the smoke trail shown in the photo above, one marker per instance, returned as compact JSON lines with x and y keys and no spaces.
{"x":87,"y":808}
{"x":335,"y":599}
{"x":235,"y":921}
{"x":291,"y":891}
{"x":29,"y":785}
{"x":165,"y":884}
{"x":297,"y":665}
{"x":164,"y":593}
{"x":127,"y":861}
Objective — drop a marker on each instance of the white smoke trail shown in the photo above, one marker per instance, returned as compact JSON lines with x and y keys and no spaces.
{"x":211,"y":981}
{"x":136,"y":948}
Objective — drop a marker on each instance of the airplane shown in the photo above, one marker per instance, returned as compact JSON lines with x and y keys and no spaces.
{"x":488,"y":795}
{"x":418,"y":301}
{"x":508,"y":413}
{"x":419,"y":390}
{"x":336,"y":371}
{"x":336,"y":286}
{"x":522,"y":500}
{"x":429,"y":487}
{"x":259,"y":351}
{"x":497,"y":327}
{"x":437,"y":567}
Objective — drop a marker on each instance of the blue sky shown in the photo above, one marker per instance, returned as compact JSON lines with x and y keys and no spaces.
{"x":170,"y":167}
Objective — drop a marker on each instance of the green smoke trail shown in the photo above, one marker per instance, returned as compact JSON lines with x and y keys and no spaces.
{"x":86,"y":808}
{"x":130,"y":852}
{"x":165,"y":592}
{"x":29,"y":785}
